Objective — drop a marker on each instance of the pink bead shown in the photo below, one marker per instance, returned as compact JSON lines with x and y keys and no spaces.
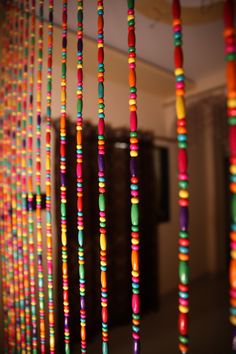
{"x":135,"y":303}
{"x":182,"y":176}
{"x":133,"y":121}
{"x":101,"y":126}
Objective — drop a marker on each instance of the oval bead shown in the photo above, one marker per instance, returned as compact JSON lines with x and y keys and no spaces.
{"x":178,"y":54}
{"x":134,"y":214}
{"x":232,"y":273}
{"x":135,"y":303}
{"x":101,"y":202}
{"x":233,"y":207}
{"x":183,"y":324}
{"x":184,"y":272}
{"x":182,"y":160}
{"x":104,"y":314}
{"x":180,"y":107}
{"x":232,"y":139}
{"x":135,"y":260}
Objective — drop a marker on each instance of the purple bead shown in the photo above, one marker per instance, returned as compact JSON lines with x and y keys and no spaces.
{"x":82,"y":302}
{"x":136,"y":347}
{"x":101,"y":162}
{"x":66,"y":322}
{"x":63,"y":179}
{"x":234,"y":339}
{"x":183,"y":218}
{"x":133,"y":166}
{"x":39,"y":119}
{"x":64,"y":42}
{"x":80,"y":45}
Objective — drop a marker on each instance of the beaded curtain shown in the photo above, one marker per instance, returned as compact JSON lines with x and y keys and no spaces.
{"x":27,"y":283}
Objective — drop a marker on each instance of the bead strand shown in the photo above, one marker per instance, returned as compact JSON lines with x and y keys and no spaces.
{"x":7,"y":188}
{"x":25,"y":30}
{"x":30,"y":182}
{"x":230,"y":58}
{"x":19,"y":334}
{"x":51,"y":308}
{"x":134,"y":186}
{"x":38,"y":181}
{"x":79,"y":149}
{"x":102,"y":177}
{"x":63,"y":189}
{"x":183,"y":181}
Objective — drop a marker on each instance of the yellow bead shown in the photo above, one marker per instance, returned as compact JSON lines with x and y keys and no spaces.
{"x":133,"y":153}
{"x":233,"y":254}
{"x":231,"y":103}
{"x":232,"y":169}
{"x":233,"y":320}
{"x":183,"y":194}
{"x":179,"y":71}
{"x":183,"y":309}
{"x":180,"y":107}
{"x":103,"y":244}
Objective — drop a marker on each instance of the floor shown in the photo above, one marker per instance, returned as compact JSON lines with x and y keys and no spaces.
{"x":209,"y":330}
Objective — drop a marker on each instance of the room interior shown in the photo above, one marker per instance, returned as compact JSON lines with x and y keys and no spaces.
{"x":203,"y":47}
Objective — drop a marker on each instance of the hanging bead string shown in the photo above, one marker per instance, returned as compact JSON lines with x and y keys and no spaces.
{"x":4,"y":237}
{"x":7,"y":187}
{"x":19,"y":334}
{"x":79,"y":149}
{"x":25,"y":30}
{"x":134,"y":179}
{"x":63,"y":195}
{"x":102,"y":178}
{"x":51,"y":319}
{"x":38,"y":181}
{"x":19,"y":83}
{"x":183,"y":181}
{"x":230,"y":57}
{"x":30,"y":182}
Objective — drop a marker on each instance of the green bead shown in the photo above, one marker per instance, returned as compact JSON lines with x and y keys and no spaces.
{"x":183,"y":339}
{"x":134,"y":214}
{"x":81,"y":271}
{"x":183,"y":184}
{"x":80,"y":16}
{"x":182,"y":145}
{"x":130,"y":4}
{"x":184,"y":272}
{"x":233,"y":207}
{"x":100,"y":90}
{"x":79,"y":105}
{"x":183,"y":234}
{"x":102,"y":202}
{"x":63,"y":209}
{"x":232,"y":120}
{"x":104,"y":348}
{"x":63,"y":68}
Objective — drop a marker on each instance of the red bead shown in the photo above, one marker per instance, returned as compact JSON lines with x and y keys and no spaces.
{"x":182,"y":160}
{"x":104,"y":315}
{"x":228,"y":13}
{"x":133,"y":121}
{"x":135,"y":303}
{"x":80,"y":203}
{"x":176,"y":9}
{"x":131,"y":38}
{"x":80,"y":75}
{"x":101,"y":125}
{"x":183,"y":324}
{"x":100,"y":55}
{"x":178,"y":54}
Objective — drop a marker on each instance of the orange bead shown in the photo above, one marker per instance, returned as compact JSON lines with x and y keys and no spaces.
{"x":135,"y":260}
{"x":232,"y":273}
{"x":83,"y":332}
{"x":231,"y":75}
{"x":132,"y":78}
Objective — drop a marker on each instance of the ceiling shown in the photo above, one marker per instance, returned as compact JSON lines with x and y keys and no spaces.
{"x":203,"y":43}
